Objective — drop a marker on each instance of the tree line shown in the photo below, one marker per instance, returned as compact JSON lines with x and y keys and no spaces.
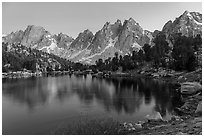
{"x":183,"y":54}
{"x":16,"y":57}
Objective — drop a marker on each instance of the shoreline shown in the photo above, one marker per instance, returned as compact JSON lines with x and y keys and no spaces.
{"x":23,"y":74}
{"x":188,"y":119}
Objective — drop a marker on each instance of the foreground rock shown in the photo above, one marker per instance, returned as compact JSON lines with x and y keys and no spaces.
{"x":199,"y":108}
{"x":181,"y":126}
{"x":187,"y":121}
{"x":190,"y":88}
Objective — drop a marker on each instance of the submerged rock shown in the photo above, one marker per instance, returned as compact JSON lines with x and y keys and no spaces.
{"x":137,"y":126}
{"x":155,"y":116}
{"x":155,"y":75}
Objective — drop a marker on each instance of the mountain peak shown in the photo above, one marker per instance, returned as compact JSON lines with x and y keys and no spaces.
{"x":113,"y":37}
{"x":167,"y":26}
{"x":87,"y":31}
{"x":106,"y":25}
{"x":186,"y":12}
{"x":33,"y":35}
{"x":35,"y":27}
{"x":189,"y":24}
{"x":194,"y":17}
{"x":131,"y":22}
{"x":131,"y":19}
{"x":118,"y":21}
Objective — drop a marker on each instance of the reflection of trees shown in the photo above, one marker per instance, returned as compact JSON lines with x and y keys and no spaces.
{"x":163,"y":93}
{"x":94,"y":90}
{"x":35,"y":91}
{"x":118,"y":94}
{"x":29,"y":92}
{"x":125,"y":97}
{"x":128,"y":94}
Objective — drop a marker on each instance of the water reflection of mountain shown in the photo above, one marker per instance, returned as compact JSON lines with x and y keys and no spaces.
{"x":117,"y":94}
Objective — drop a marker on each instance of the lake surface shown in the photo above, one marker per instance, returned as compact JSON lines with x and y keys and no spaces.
{"x":40,"y":105}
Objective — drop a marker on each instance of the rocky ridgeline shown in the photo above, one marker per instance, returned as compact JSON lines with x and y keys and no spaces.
{"x":189,"y":24}
{"x":117,"y":37}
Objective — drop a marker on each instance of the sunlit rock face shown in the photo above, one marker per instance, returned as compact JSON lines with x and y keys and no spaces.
{"x":63,"y":40}
{"x":14,"y":37}
{"x":33,"y":35}
{"x":117,"y":37}
{"x":188,"y":24}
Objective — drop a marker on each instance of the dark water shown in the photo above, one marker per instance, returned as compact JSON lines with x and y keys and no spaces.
{"x":39,"y":105}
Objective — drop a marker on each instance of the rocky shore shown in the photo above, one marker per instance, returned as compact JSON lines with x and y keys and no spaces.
{"x":187,"y":119}
{"x":27,"y":74}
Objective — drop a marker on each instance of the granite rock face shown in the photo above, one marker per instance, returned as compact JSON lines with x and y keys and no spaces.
{"x":119,"y":37}
{"x":63,"y":40}
{"x":33,"y":35}
{"x":14,"y":37}
{"x":189,"y":24}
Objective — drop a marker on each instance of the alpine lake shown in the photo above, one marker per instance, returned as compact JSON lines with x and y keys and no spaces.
{"x":39,"y":105}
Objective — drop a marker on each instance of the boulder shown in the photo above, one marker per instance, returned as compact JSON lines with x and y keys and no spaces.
{"x":155,"y":116}
{"x":180,"y":77}
{"x":169,"y":75}
{"x":197,"y":125}
{"x":189,"y":88}
{"x":163,"y":73}
{"x":199,"y":108}
{"x":142,"y":72}
{"x":137,"y":126}
{"x":175,"y":118}
{"x":155,"y":75}
{"x":141,"y":122}
{"x":131,"y":127}
{"x":181,"y":133}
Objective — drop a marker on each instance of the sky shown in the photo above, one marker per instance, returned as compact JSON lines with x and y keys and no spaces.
{"x":72,"y":18}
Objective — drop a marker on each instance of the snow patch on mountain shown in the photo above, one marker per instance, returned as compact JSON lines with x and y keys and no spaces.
{"x":197,"y":22}
{"x":136,"y":46}
{"x":191,"y":17}
{"x":52,"y":47}
{"x":4,"y":35}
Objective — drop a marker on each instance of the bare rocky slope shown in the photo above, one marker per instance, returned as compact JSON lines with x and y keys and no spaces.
{"x":117,"y":37}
